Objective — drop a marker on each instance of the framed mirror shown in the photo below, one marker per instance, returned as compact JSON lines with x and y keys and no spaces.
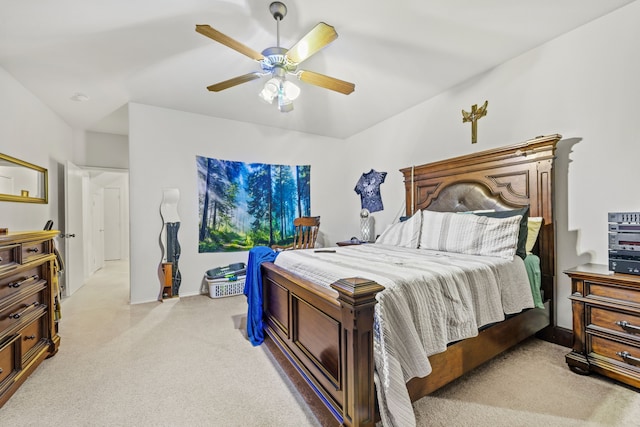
{"x":21,"y":181}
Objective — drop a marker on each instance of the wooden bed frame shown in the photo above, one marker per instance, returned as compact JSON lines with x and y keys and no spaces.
{"x":327,"y":334}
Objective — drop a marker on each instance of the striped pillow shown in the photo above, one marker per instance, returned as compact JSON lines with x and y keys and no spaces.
{"x":405,"y":234}
{"x":470,"y":234}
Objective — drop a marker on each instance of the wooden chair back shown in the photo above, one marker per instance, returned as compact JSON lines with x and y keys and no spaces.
{"x":305,"y":233}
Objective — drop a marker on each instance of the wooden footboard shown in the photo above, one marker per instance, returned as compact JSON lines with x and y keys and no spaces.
{"x":327,"y":334}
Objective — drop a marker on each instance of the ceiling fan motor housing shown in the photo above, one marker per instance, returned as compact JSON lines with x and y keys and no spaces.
{"x":278,"y":10}
{"x":275,"y":57}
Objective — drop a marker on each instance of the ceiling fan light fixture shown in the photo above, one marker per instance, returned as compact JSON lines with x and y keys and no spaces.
{"x":290,"y":90}
{"x":284,"y":105}
{"x":270,"y":90}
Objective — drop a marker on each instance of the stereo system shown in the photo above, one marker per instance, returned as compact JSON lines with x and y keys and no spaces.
{"x":624,"y":242}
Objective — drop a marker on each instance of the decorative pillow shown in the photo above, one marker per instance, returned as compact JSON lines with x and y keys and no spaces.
{"x":533,"y":224}
{"x":406,"y":233}
{"x":521,"y":250}
{"x":470,"y":234}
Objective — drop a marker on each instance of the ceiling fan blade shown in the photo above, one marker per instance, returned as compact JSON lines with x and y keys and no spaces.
{"x":326,"y":82}
{"x":216,"y":35}
{"x":320,"y":36}
{"x":233,"y":82}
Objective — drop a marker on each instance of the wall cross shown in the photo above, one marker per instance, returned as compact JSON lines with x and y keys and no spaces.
{"x":473,"y":117}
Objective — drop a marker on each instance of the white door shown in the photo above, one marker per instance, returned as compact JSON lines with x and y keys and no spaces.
{"x":97,"y":227}
{"x":112,"y":224}
{"x":73,"y":236}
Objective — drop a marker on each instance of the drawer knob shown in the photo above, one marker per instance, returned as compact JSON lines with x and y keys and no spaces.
{"x":628,"y":326}
{"x":30,"y":337}
{"x":34,"y":250}
{"x":1,"y":370}
{"x":627,"y":357}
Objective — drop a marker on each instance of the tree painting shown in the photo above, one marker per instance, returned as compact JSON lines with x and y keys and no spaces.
{"x":243,"y":205}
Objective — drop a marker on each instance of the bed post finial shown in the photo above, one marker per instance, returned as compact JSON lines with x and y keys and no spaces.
{"x":357,"y":299}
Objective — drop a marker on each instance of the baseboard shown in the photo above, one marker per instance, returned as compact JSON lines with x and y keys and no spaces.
{"x":557,"y":335}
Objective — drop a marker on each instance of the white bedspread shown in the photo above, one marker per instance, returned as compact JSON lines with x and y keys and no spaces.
{"x":430,"y":299}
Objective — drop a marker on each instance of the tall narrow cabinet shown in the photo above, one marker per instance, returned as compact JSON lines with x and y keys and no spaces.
{"x":28,"y":326}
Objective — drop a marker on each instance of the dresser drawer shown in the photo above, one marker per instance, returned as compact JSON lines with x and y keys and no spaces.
{"x":9,"y":257}
{"x":31,"y":335}
{"x":13,"y":317}
{"x":618,"y":292}
{"x":616,"y":321}
{"x":614,"y":350}
{"x":18,"y":281}
{"x":31,"y":251}
{"x":9,"y":356}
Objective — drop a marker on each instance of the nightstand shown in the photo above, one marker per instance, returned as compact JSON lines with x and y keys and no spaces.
{"x":606,"y":323}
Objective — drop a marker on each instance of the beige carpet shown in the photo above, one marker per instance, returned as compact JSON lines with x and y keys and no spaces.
{"x":188,"y":363}
{"x":530,"y":386}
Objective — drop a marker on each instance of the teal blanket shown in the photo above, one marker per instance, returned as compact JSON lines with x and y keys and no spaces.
{"x":532,"y":264}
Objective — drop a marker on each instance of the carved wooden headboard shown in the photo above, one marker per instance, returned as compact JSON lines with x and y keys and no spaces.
{"x":502,"y":178}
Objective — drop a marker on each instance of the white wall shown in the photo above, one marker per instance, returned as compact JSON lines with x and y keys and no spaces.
{"x":583,"y":85}
{"x":163,"y":145}
{"x":106,"y":150}
{"x":31,"y":132}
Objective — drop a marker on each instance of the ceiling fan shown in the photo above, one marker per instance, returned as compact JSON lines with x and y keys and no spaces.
{"x":279,"y":62}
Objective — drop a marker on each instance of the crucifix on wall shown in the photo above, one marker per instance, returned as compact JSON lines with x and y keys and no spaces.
{"x":473,"y":117}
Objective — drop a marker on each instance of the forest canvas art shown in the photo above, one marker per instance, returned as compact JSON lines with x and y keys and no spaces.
{"x":243,"y":205}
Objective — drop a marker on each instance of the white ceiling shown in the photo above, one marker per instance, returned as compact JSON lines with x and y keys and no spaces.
{"x":398,"y":54}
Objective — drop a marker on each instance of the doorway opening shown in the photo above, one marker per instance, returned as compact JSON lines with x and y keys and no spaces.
{"x":96,"y":222}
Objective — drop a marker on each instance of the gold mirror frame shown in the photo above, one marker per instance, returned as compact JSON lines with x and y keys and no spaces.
{"x":25,"y":196}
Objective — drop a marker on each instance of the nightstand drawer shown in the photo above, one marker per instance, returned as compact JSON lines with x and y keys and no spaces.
{"x":625,"y":354}
{"x":612,"y":291}
{"x":617,"y":321}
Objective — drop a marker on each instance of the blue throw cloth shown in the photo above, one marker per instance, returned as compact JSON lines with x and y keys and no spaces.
{"x":253,"y":291}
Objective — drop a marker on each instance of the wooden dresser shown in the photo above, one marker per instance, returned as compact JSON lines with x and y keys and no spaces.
{"x":28,"y":329}
{"x":606,"y":323}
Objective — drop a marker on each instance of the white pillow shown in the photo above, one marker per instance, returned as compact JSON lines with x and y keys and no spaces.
{"x":470,"y":234}
{"x":405,"y":234}
{"x":534,"y":224}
